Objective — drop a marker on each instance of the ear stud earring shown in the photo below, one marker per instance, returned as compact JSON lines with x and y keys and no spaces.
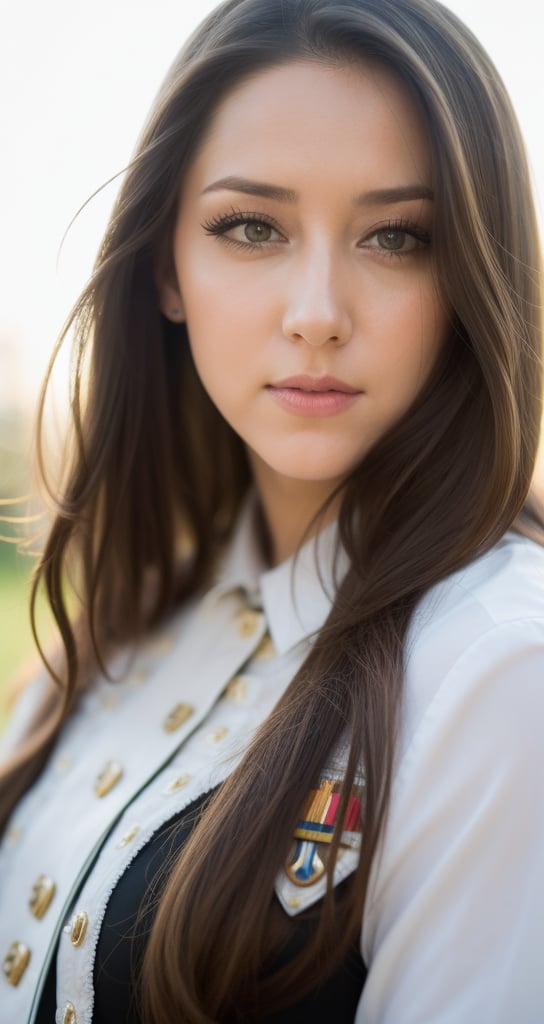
{"x":175,"y":313}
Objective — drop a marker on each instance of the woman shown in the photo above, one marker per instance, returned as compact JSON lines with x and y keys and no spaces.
{"x":284,"y":771}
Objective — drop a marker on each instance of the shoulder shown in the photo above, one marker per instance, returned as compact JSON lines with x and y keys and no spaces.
{"x":503,"y":587}
{"x":483,"y":628}
{"x":505,"y":584}
{"x":461,"y":864}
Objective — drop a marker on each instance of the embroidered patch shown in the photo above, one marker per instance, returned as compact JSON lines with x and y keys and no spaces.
{"x":317,"y":825}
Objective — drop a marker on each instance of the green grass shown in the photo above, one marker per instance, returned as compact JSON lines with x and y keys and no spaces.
{"x":16,"y":641}
{"x":15,"y":630}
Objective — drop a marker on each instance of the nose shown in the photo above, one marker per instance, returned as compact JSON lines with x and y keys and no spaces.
{"x":316,"y":311}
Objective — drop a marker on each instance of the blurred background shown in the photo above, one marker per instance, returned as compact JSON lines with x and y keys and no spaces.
{"x":76,"y":81}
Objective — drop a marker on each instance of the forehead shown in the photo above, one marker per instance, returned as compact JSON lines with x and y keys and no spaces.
{"x":289,"y":119}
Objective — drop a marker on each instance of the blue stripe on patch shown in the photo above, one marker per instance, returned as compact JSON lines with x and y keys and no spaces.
{"x":316,"y":826}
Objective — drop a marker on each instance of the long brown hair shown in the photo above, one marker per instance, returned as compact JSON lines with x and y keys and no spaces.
{"x":154,"y":462}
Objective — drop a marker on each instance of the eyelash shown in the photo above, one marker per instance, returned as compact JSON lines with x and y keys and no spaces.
{"x":220,"y":225}
{"x":403,"y":226}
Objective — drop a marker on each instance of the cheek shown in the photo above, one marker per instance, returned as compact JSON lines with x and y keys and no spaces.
{"x":219,"y":345}
{"x":410,"y":329}
{"x":224,"y":313}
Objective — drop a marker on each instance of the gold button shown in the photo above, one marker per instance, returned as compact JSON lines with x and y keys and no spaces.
{"x":177,"y":716}
{"x":266,"y":648}
{"x":178,"y":783}
{"x":16,"y":962}
{"x":43,"y":891}
{"x":70,"y":1015}
{"x":128,"y":837}
{"x":236,"y":690}
{"x":293,"y":902}
{"x":218,"y":734}
{"x":78,"y":930}
{"x":247,"y":623}
{"x":108,"y":778}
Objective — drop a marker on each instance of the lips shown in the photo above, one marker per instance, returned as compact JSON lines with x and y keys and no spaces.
{"x":305,"y":382}
{"x":316,"y":397}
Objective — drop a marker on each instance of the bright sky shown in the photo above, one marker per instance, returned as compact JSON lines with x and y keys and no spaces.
{"x":76,"y":81}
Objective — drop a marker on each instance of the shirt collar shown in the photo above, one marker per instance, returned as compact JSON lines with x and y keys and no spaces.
{"x":297,"y":595}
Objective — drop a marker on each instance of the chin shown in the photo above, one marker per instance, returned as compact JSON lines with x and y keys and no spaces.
{"x":318,"y":472}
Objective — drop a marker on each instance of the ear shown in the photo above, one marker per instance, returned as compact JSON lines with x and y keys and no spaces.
{"x":170,"y":300}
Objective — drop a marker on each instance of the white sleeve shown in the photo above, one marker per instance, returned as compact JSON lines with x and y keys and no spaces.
{"x":454,"y":927}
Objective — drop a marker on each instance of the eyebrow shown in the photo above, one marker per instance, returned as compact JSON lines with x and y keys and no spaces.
{"x":377,"y":197}
{"x":383,"y":196}
{"x":252,"y":188}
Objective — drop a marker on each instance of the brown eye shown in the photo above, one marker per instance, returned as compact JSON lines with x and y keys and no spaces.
{"x":256,"y":231}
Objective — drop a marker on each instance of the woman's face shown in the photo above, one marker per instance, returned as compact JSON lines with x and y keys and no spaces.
{"x":304,"y":268}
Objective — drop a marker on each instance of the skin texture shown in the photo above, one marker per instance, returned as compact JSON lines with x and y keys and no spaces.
{"x":329,"y":280}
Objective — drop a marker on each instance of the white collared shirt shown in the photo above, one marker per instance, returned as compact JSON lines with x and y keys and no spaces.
{"x":453,"y":930}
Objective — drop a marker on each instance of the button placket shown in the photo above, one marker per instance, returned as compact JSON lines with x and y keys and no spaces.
{"x":209,"y":685}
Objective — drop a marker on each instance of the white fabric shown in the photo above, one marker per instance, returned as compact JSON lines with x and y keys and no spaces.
{"x":454,"y":927}
{"x":454,"y":930}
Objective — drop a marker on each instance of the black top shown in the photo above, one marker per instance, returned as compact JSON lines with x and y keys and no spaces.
{"x":127,"y":924}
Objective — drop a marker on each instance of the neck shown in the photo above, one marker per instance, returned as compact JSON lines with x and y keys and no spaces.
{"x":289,"y":507}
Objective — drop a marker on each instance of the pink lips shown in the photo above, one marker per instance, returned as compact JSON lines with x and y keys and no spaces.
{"x":313,"y":396}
